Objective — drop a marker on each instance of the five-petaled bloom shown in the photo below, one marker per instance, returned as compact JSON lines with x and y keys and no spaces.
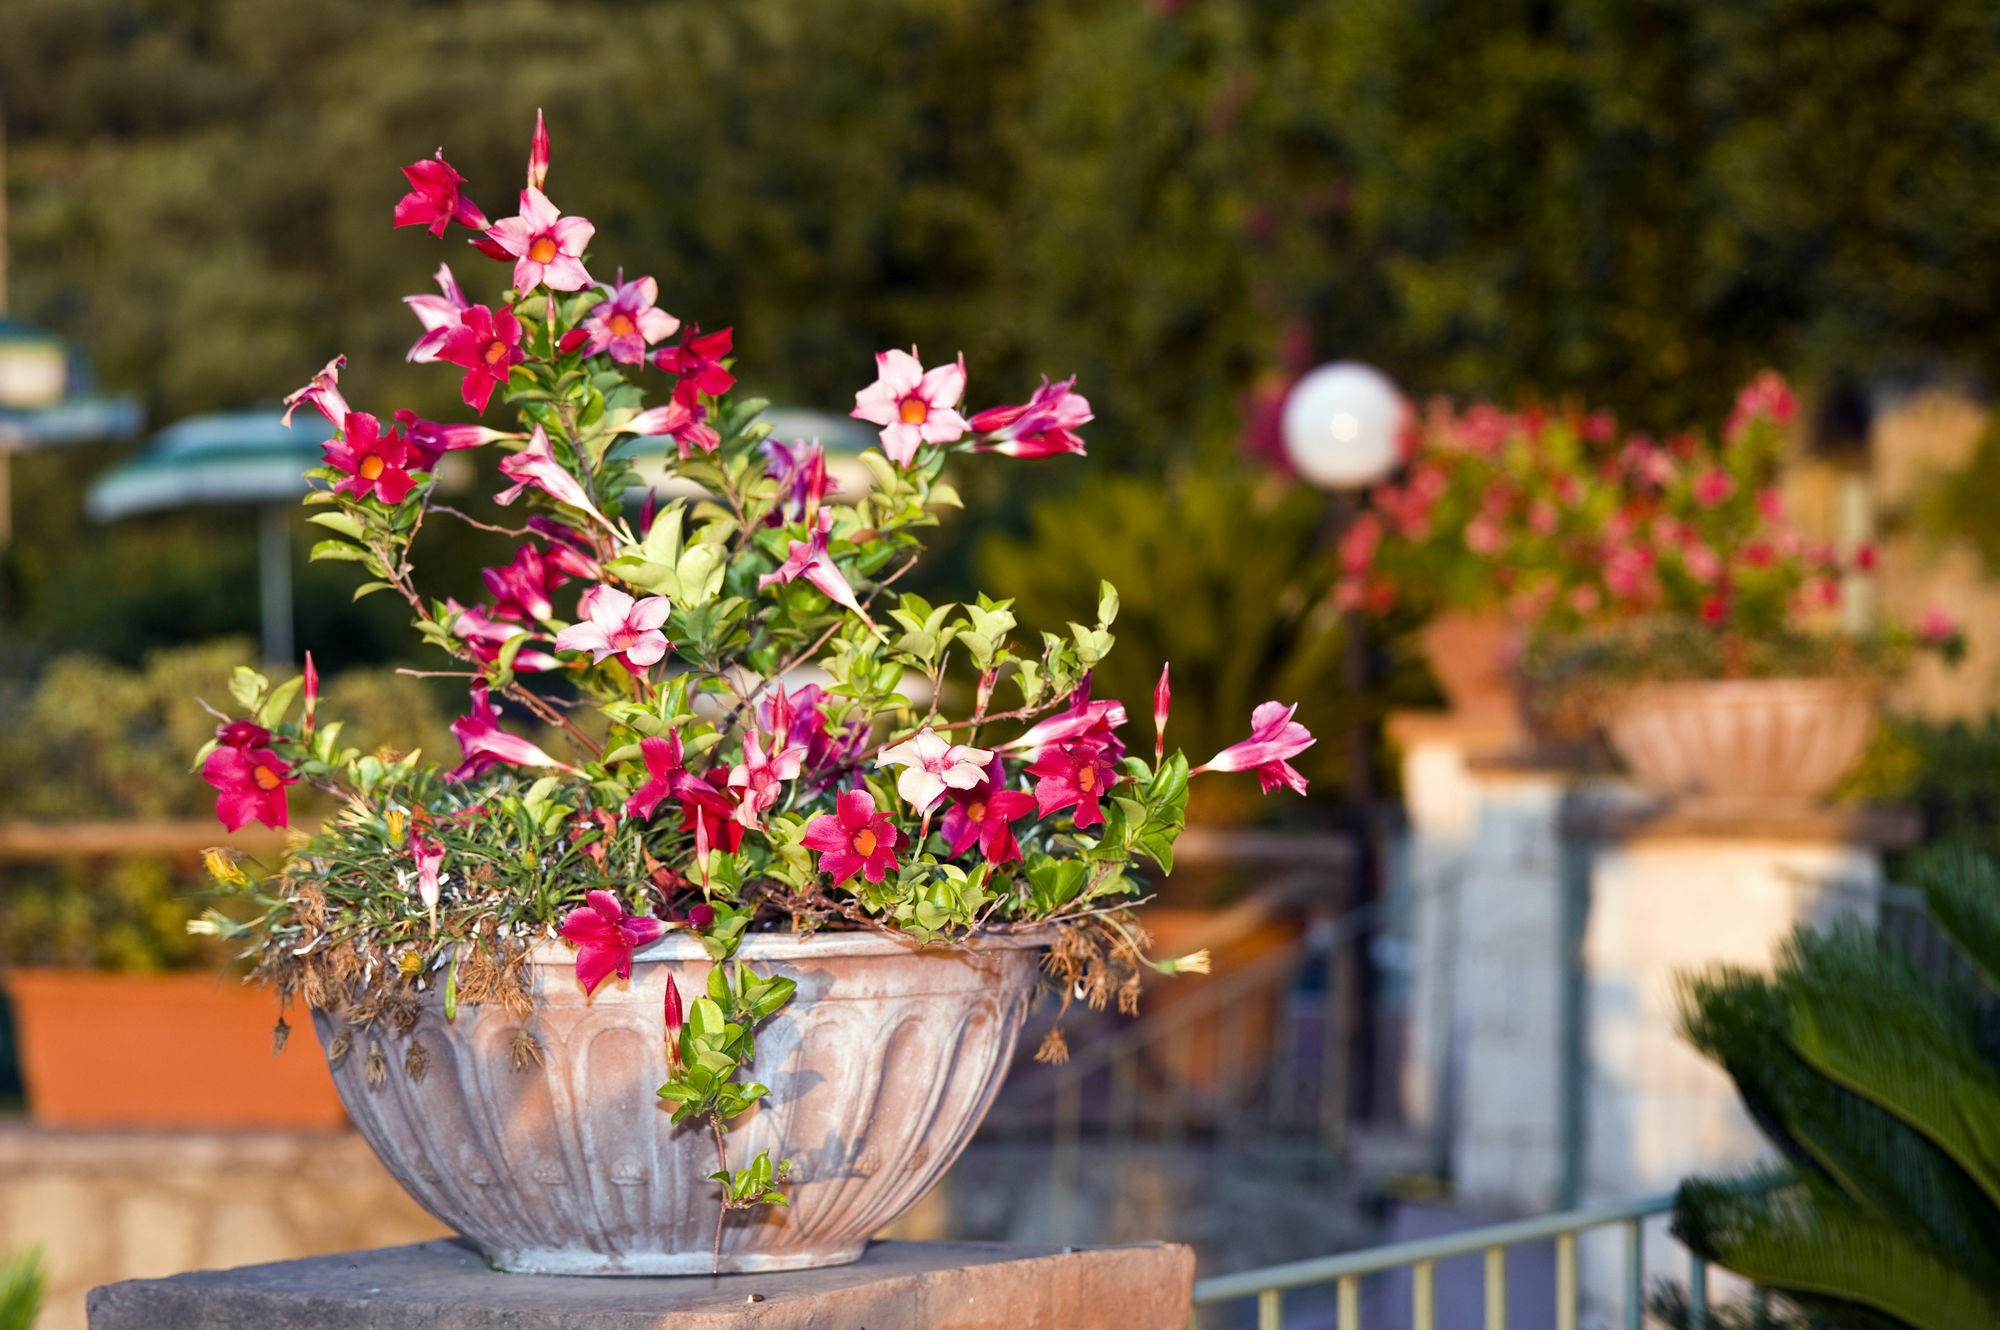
{"x":627,"y":321}
{"x":932,"y":765}
{"x":986,"y":813}
{"x":435,"y":199}
{"x":1274,"y":737}
{"x":698,"y":360}
{"x":1073,"y":774}
{"x":912,"y":407}
{"x":853,"y":839}
{"x":616,"y":625}
{"x":547,"y":247}
{"x":1042,"y":426}
{"x":249,"y":784}
{"x":605,"y":936}
{"x":374,"y":462}
{"x":520,"y":589}
{"x":488,"y":344}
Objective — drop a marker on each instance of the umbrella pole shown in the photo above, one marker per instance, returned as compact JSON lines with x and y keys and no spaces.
{"x":274,"y":580}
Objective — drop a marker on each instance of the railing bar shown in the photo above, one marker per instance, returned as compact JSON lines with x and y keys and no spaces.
{"x":1496,"y":1288}
{"x":1271,"y":1309}
{"x":1324,"y":1269}
{"x":1350,"y":1303}
{"x":1697,"y":1293}
{"x":1423,"y":1297}
{"x":1635,"y":1275}
{"x":1566,"y":1280}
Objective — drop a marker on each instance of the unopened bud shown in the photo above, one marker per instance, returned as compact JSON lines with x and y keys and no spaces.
{"x":1195,"y":962}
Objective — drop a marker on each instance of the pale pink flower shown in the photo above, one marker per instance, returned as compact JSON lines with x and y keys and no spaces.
{"x":913,"y":407}
{"x":616,"y":625}
{"x":1274,"y":738}
{"x":1703,"y":564}
{"x":1042,"y":426}
{"x":537,"y":465}
{"x":760,"y":776}
{"x":439,"y":315}
{"x":809,"y":559}
{"x":931,"y":765}
{"x":547,"y":247}
{"x":323,"y":393}
{"x":627,"y":321}
{"x":1937,"y":625}
{"x":1713,"y":486}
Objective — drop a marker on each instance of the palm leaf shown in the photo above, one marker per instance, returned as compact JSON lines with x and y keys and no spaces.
{"x":21,"y":1286}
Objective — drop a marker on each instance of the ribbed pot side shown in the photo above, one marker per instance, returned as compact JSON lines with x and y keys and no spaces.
{"x":1744,"y":743}
{"x":880,"y":1069}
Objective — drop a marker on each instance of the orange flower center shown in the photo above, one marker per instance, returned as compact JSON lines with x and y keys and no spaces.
{"x":624,"y":638}
{"x":266,"y":778}
{"x":371,"y":467}
{"x":496,"y":351}
{"x":621,"y":325}
{"x":864,"y":842}
{"x":977,"y":812}
{"x":914,"y":411}
{"x":542,"y":250}
{"x":1086,"y":779}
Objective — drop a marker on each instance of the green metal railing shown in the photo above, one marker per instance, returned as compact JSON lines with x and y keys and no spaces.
{"x":1420,"y":1257}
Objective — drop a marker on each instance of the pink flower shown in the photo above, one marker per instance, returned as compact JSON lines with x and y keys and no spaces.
{"x":1771,"y":504}
{"x":1163,"y":698}
{"x":323,"y":394}
{"x":434,"y":199}
{"x":1584,"y":600}
{"x":311,"y":684}
{"x":1073,"y":774}
{"x":709,"y":813}
{"x":698,"y":360}
{"x":616,"y":625}
{"x":485,"y":638}
{"x":536,"y":465}
{"x":486,"y":744}
{"x":547,"y":247}
{"x":675,"y":1019}
{"x":1703,"y":564}
{"x":249,"y":784}
{"x":488,"y":345}
{"x":685,"y":423}
{"x":800,"y":471}
{"x":1866,"y":557}
{"x":1085,"y":719}
{"x":429,"y":855}
{"x":853,"y":839}
{"x":1359,"y":543}
{"x":759,"y":778}
{"x":1765,"y":397}
{"x":1543,"y":518}
{"x":1715,"y":609}
{"x":1713,"y":486}
{"x":809,"y":559}
{"x":799,"y":717}
{"x":986,"y":813}
{"x":627,"y":322}
{"x":1483,"y":535}
{"x":664,"y":773}
{"x":605,"y":937}
{"x":438,"y":314}
{"x":567,"y":549}
{"x":243,"y":734}
{"x":1274,"y":738}
{"x":931,"y":766}
{"x":1040,"y":427}
{"x":434,"y":438}
{"x":375,"y":463}
{"x":1937,"y":626}
{"x":538,"y":154}
{"x":913,"y":407}
{"x":520,"y":589}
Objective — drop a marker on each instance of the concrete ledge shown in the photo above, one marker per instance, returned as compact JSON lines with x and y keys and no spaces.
{"x":1874,"y":825}
{"x":445,"y":1285}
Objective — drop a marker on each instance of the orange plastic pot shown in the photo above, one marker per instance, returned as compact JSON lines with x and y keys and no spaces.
{"x":180,"y":1050}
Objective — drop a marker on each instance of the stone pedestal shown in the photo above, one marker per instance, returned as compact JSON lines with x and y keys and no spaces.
{"x":444,"y":1285}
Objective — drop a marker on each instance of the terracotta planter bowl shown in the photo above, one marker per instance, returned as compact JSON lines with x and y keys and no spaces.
{"x":1744,"y":745}
{"x":880,"y":1068}
{"x":1472,"y":658}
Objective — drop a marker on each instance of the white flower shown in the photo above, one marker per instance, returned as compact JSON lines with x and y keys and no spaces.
{"x":931,"y":765}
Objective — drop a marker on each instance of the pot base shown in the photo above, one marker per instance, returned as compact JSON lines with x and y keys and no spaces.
{"x":569,"y":1261}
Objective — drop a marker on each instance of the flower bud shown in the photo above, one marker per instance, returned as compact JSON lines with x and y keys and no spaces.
{"x":675,"y":1019}
{"x":1163,"y":698}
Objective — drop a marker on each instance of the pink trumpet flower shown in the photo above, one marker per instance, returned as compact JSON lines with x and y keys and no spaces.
{"x":375,"y":463}
{"x":616,"y":625}
{"x":1043,"y":426}
{"x":432,"y":437}
{"x":853,"y":839}
{"x":932,"y":766}
{"x":605,"y":937}
{"x":439,"y":315}
{"x":664,"y":773}
{"x":1163,"y":699}
{"x":809,"y":559}
{"x":759,"y":778}
{"x":520,"y":589}
{"x":698,"y":360}
{"x":568,"y":550}
{"x":435,"y":199}
{"x":546,"y":246}
{"x":1085,"y":719}
{"x":1274,"y":737}
{"x":628,"y":321}
{"x":1075,"y":775}
{"x":537,"y":465}
{"x":249,"y":784}
{"x":538,"y":153}
{"x":684,"y":422}
{"x":429,"y":855}
{"x":914,"y":407}
{"x":486,"y":744}
{"x":485,"y":638}
{"x":487,"y":343}
{"x":323,"y":394}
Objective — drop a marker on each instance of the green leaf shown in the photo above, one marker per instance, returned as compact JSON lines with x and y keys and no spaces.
{"x":337,"y":549}
{"x":342,"y":522}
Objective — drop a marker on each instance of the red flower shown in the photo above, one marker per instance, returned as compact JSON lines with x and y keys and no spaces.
{"x":434,"y":199}
{"x":1073,"y":774}
{"x":249,"y":784}
{"x":1274,"y":737}
{"x":374,"y":462}
{"x":986,"y":813}
{"x":709,"y":813}
{"x":664,"y":774}
{"x":853,"y":839}
{"x":1715,"y":609}
{"x":488,"y":345}
{"x":312,"y":691}
{"x":698,"y":360}
{"x":605,"y":936}
{"x":244,"y":733}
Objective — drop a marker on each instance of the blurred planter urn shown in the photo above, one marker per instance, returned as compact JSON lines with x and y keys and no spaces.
{"x":543,"y":1141}
{"x":1472,"y":657}
{"x":1744,"y":746}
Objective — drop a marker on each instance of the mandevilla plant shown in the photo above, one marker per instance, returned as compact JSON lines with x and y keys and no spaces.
{"x":756,"y":732}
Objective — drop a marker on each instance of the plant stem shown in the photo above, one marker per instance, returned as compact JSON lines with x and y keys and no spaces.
{"x":722,"y":1210}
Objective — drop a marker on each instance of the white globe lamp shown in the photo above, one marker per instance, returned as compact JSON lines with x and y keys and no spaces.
{"x":1343,"y":426}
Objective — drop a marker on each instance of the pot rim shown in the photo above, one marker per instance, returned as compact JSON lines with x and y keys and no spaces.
{"x":680,"y":945}
{"x":1865,"y":685}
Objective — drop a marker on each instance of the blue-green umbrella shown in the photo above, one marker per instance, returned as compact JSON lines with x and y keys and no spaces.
{"x":46,"y":399}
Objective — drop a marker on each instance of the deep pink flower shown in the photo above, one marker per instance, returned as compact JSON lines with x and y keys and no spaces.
{"x":1713,"y":486}
{"x":546,"y":246}
{"x":616,"y":625}
{"x":1274,"y":737}
{"x":434,"y":438}
{"x":486,"y":744}
{"x":986,"y":814}
{"x":439,"y":315}
{"x":1042,"y":426}
{"x":800,"y":470}
{"x":698,"y":360}
{"x":375,"y":463}
{"x":759,"y":778}
{"x":488,"y":344}
{"x":1765,"y":396}
{"x":605,"y":937}
{"x":1715,"y":609}
{"x":243,"y":734}
{"x":628,"y":321}
{"x":1073,"y":774}
{"x":799,"y":717}
{"x":932,"y":767}
{"x":709,"y":813}
{"x":1085,"y":719}
{"x":810,"y":560}
{"x":853,"y":839}
{"x":664,"y":773}
{"x":913,"y":407}
{"x":323,"y":394}
{"x":249,"y":784}
{"x":536,"y":465}
{"x":435,"y":199}
{"x":1937,"y":626}
{"x":701,"y":918}
{"x":484,"y":638}
{"x":686,"y":423}
{"x":520,"y":589}
{"x":675,"y":1018}
{"x":567,"y":549}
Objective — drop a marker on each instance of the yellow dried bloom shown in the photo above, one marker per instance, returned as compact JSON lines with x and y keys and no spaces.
{"x":221,"y":865}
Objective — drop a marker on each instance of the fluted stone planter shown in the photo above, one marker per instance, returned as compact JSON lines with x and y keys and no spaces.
{"x":880,"y":1068}
{"x":1735,"y":745}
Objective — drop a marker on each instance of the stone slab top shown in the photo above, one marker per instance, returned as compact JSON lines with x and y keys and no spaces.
{"x":1876,"y":826}
{"x":446,"y":1285}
